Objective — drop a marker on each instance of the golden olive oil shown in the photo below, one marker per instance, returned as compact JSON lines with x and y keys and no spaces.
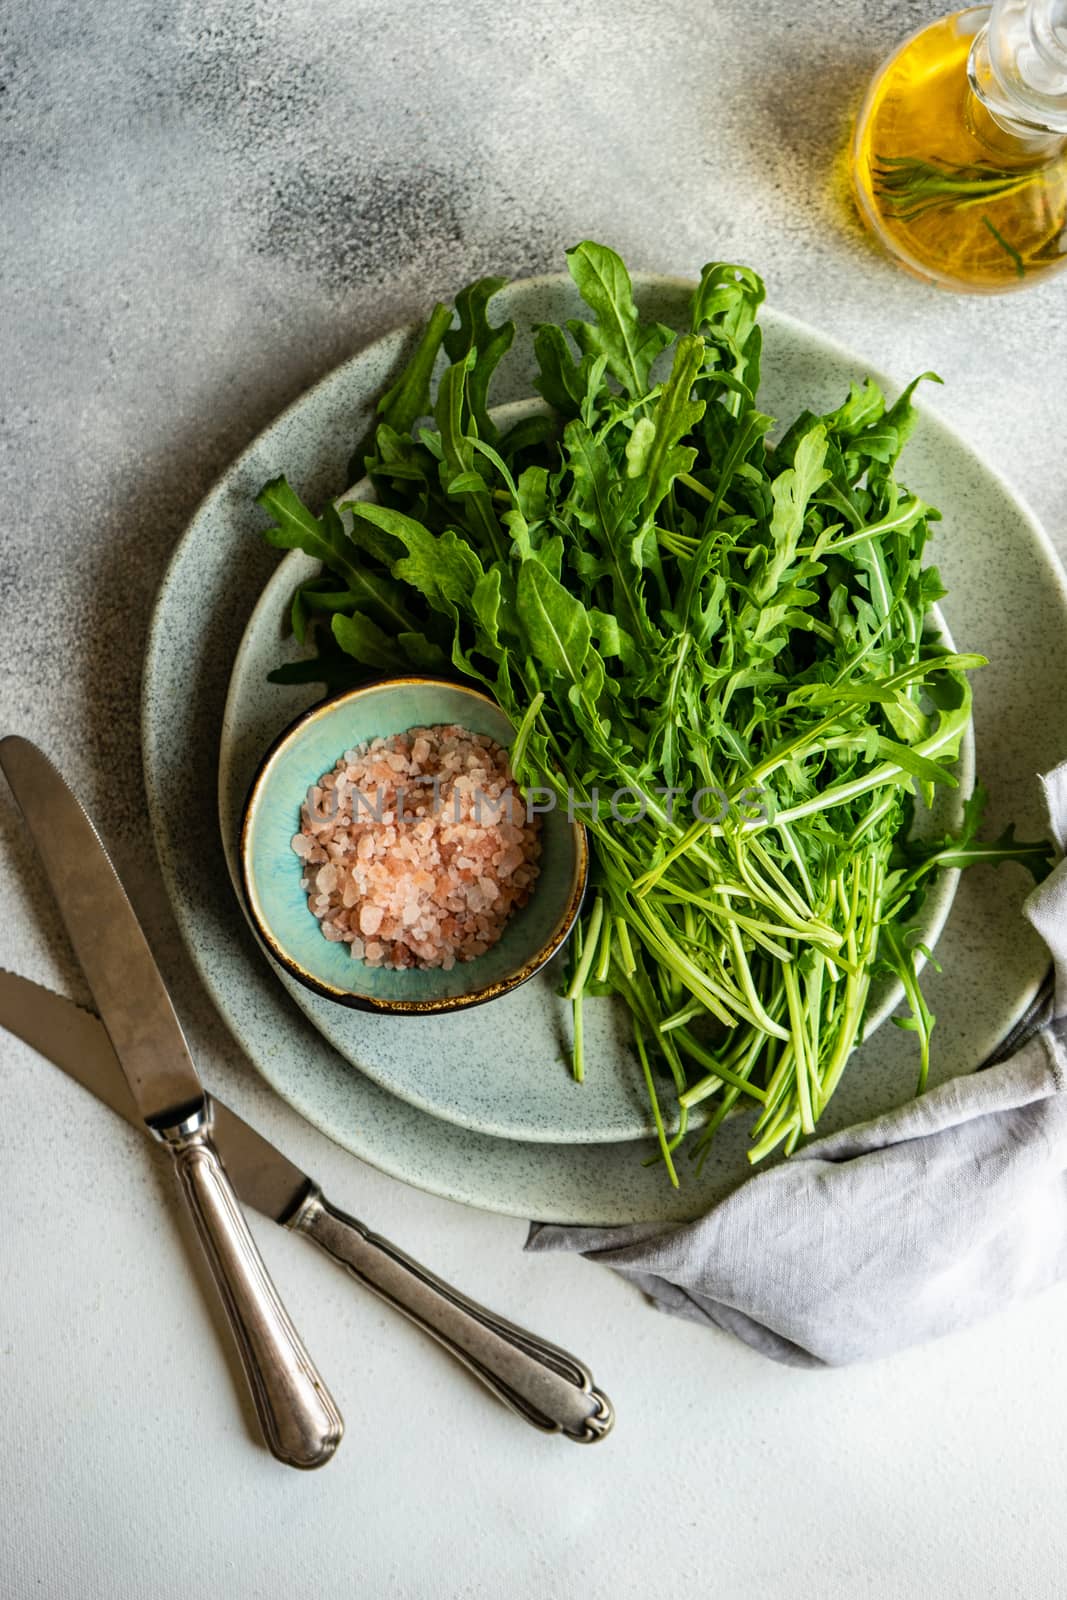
{"x":959,"y":196}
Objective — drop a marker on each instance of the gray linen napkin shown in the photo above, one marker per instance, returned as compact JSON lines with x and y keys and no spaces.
{"x":896,"y":1231}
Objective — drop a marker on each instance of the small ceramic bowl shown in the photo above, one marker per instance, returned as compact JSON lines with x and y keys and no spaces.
{"x":271,"y":871}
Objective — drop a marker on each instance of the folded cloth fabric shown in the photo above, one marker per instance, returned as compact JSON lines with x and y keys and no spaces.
{"x":893,"y":1232}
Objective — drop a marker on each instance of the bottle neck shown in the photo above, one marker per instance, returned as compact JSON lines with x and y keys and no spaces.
{"x":1018,"y":70}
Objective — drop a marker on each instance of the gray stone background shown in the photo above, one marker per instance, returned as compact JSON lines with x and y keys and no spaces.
{"x":207,"y":206}
{"x":203,"y":208}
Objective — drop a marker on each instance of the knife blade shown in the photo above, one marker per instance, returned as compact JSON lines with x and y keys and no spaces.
{"x":301,"y":1424}
{"x":107,"y":938}
{"x":77,"y":1041}
{"x":543,"y":1384}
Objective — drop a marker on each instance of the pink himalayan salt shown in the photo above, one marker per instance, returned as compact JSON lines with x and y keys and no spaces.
{"x":432,"y":882}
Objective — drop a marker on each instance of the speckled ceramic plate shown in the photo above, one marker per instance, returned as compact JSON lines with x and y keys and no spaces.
{"x":991,"y":961}
{"x":447,"y":1065}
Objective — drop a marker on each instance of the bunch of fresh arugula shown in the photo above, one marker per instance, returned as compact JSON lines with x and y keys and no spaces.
{"x":666,"y":605}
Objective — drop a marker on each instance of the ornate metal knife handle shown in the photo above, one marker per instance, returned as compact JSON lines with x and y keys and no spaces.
{"x":542,"y":1383}
{"x":300,"y":1422}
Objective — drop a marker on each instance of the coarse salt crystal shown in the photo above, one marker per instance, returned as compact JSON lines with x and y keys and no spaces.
{"x":425,"y":885}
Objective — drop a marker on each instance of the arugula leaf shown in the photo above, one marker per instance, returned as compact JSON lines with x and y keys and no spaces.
{"x":334,"y":672}
{"x":628,"y":345}
{"x":791,"y":491}
{"x":1037,"y":856}
{"x":485,"y":601}
{"x":663,"y":458}
{"x":560,"y":378}
{"x":401,"y":406}
{"x":409,"y":399}
{"x":459,"y":459}
{"x":487,"y":345}
{"x":360,"y":638}
{"x":324,"y":539}
{"x":442,"y":567}
{"x":555,"y":625}
{"x":422,"y":652}
{"x":597,"y":504}
{"x":965,"y":849}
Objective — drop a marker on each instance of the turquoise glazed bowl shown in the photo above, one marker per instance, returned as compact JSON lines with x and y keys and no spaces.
{"x":271,"y":871}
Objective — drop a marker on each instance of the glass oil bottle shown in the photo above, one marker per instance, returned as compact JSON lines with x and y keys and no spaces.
{"x":959,"y":159}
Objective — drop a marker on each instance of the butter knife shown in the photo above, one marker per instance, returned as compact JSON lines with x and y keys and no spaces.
{"x":544,"y":1384}
{"x":300,"y":1422}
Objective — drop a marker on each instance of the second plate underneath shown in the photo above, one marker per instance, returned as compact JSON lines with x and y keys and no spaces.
{"x":502,"y":1068}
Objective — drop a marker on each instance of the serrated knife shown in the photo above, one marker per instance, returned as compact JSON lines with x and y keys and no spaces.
{"x":300,"y":1422}
{"x":542,"y":1383}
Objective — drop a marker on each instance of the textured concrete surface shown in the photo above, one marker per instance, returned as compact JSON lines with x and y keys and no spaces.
{"x":204,"y":207}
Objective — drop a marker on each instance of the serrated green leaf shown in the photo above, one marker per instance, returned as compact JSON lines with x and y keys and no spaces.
{"x":401,"y":406}
{"x":484,"y":344}
{"x":675,"y":416}
{"x":485,"y":600}
{"x":555,"y":625}
{"x":422,"y":652}
{"x":360,"y":638}
{"x":442,"y":567}
{"x":324,"y":539}
{"x":628,"y":345}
